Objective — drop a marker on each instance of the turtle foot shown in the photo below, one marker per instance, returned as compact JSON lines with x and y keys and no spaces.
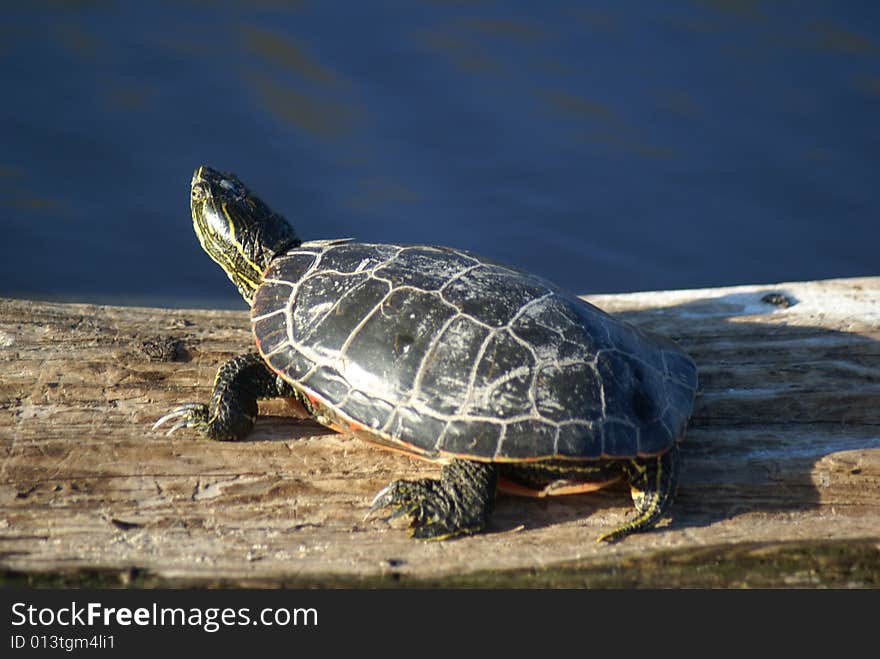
{"x":232,"y":412}
{"x":653,"y":482}
{"x":224,"y":425}
{"x":188,"y":415}
{"x":459,"y":503}
{"x":428,"y":506}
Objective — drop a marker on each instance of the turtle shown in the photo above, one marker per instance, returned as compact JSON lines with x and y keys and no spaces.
{"x":505,"y":379}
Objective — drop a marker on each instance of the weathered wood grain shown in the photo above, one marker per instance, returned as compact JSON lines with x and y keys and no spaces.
{"x":781,"y":482}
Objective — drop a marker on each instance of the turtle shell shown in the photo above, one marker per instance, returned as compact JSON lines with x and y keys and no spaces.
{"x":444,"y":353}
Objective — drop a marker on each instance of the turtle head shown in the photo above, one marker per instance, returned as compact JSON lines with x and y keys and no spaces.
{"x":236,"y":228}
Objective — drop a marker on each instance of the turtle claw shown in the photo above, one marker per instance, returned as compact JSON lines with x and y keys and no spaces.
{"x":457,"y":504}
{"x":382,"y":499}
{"x":388,"y":496}
{"x":180,"y":424}
{"x":428,"y":505}
{"x":190,"y":415}
{"x":403,"y":497}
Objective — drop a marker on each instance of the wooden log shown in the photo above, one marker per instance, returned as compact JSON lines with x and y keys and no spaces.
{"x":780,"y":485}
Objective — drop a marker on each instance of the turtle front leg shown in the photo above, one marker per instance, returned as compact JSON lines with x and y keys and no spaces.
{"x":459,"y":503}
{"x":232,"y":412}
{"x":653,"y":482}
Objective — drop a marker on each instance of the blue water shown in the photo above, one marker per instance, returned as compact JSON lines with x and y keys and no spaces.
{"x":608,"y":146}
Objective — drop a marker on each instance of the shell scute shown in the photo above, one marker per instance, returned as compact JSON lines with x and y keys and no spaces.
{"x":476,"y":293}
{"x":384,"y":354}
{"x":502,"y":381}
{"x":618,"y":438}
{"x":447,"y":367}
{"x":323,"y":326}
{"x":579,"y":440}
{"x":355,"y":257}
{"x":568,"y":392}
{"x":529,"y":438}
{"x":426,"y":268}
{"x":471,"y":438}
{"x":408,"y":422}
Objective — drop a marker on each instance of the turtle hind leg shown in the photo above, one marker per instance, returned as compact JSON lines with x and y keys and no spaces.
{"x":653,"y":482}
{"x":459,"y":503}
{"x":232,"y":411}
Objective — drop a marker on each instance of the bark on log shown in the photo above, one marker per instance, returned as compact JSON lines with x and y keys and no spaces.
{"x":780,"y":485}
